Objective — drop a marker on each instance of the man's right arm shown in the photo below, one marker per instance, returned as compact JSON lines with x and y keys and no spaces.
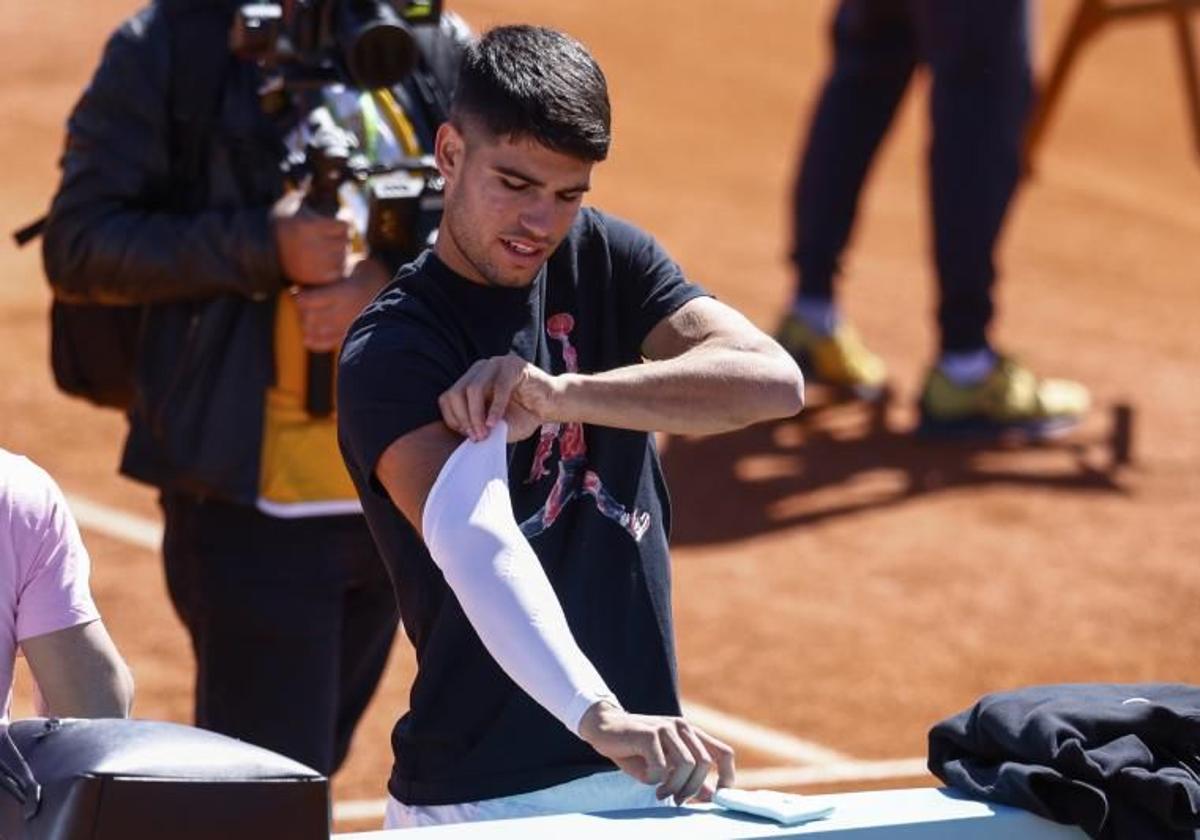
{"x":79,"y":672}
{"x":109,"y":238}
{"x":458,"y":500}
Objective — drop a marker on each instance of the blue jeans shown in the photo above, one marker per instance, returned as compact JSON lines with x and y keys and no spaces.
{"x":291,"y":622}
{"x":977,"y":52}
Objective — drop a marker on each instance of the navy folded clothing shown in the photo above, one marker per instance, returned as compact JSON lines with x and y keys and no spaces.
{"x":1120,"y":761}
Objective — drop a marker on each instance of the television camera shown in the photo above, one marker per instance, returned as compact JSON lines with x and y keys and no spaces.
{"x":368,"y":43}
{"x":404,"y":201}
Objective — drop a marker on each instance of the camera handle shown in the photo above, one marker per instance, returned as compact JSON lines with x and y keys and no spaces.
{"x":328,"y":157}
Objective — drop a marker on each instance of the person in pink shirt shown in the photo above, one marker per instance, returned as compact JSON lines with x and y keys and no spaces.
{"x":46,"y":607}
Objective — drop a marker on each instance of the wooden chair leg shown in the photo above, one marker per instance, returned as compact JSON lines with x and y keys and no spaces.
{"x":1189,"y":65}
{"x":1089,"y":17}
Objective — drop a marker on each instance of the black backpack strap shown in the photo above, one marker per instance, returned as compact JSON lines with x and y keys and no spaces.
{"x":26,"y":234}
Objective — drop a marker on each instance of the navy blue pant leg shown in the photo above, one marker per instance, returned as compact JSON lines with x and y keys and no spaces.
{"x":978,"y":53}
{"x":291,"y":622}
{"x":874,"y":55}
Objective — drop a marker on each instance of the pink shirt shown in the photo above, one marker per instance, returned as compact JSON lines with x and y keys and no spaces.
{"x":43,"y":564}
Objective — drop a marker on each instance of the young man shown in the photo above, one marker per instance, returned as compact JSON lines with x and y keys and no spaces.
{"x":534,"y":580}
{"x":48,"y":610}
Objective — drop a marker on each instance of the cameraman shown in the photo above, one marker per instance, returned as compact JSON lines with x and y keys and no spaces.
{"x":173,"y":198}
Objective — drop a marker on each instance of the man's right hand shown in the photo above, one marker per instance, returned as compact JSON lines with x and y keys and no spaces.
{"x":313,"y":249}
{"x":656,"y":749}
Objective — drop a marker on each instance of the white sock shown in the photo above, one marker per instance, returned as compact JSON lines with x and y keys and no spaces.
{"x":967,"y":368}
{"x":819,"y":314}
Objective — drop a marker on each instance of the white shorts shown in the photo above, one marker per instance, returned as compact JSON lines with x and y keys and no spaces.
{"x":610,"y":791}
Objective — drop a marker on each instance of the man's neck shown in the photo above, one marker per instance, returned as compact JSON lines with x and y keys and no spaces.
{"x":452,"y":257}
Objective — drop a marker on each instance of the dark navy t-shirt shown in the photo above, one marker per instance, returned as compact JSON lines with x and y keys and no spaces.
{"x":590,"y":499}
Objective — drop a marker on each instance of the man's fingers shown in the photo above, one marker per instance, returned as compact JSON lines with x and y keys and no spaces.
{"x":325,"y":227}
{"x":723,"y":755}
{"x":501,"y":397}
{"x":319,"y":337}
{"x":455,"y":403}
{"x":481,"y":397}
{"x":703,"y":763}
{"x":679,"y":763}
{"x":656,"y":760}
{"x":313,"y":300}
{"x":476,"y":400}
{"x":453,"y":414}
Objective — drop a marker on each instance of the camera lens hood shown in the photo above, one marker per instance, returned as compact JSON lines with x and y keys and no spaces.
{"x":376,"y":44}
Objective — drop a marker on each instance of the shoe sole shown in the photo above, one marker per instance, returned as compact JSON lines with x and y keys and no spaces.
{"x":984,"y":428}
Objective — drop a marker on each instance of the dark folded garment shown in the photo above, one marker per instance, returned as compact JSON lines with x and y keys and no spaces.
{"x":1120,"y":761}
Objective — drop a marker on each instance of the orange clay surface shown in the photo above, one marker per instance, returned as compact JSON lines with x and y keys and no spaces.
{"x":843,"y":584}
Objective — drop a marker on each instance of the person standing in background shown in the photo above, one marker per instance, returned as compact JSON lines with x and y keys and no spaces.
{"x":979,"y":58}
{"x":268,"y":559}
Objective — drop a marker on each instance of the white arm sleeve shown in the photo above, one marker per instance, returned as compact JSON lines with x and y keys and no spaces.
{"x":473,"y":536}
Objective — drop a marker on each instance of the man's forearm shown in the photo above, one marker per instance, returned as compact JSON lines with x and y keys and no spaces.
{"x":710,"y":388}
{"x":79,"y":672}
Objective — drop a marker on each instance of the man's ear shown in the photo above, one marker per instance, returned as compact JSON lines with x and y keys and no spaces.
{"x":448,"y":149}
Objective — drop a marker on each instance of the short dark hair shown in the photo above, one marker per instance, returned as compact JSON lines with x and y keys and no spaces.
{"x":528,"y":81}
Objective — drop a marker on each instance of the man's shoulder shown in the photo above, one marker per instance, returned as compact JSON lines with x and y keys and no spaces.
{"x":22,"y":481}
{"x":405,"y":295}
{"x":32,"y":507}
{"x":597,"y":232}
{"x":400,"y":311}
{"x":592,"y":223}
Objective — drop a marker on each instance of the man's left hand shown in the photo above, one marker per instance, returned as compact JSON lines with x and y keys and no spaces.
{"x":500,"y":388}
{"x":327,"y":311}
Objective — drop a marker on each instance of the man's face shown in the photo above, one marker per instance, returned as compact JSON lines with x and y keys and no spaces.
{"x":509,"y":203}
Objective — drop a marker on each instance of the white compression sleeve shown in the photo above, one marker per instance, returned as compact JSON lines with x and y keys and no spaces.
{"x":473,"y":536}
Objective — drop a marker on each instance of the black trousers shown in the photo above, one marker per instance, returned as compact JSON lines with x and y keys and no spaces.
{"x":977,"y":52}
{"x":291,"y":622}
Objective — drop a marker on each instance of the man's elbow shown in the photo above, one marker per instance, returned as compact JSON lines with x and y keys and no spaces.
{"x":783,"y":385}
{"x":109,"y":694}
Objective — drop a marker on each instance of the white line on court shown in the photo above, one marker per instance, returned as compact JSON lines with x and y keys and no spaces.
{"x":830,"y":765}
{"x":842,"y":771}
{"x":354,"y":810}
{"x":759,"y":738}
{"x":135,"y":530}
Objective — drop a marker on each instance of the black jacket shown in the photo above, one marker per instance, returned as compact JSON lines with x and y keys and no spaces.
{"x":123,"y":229}
{"x":1120,"y":761}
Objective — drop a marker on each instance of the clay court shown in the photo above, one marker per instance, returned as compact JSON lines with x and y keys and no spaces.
{"x":836,"y":580}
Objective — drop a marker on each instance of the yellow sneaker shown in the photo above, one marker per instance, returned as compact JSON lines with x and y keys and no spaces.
{"x":839,"y":360}
{"x":1010,"y":398}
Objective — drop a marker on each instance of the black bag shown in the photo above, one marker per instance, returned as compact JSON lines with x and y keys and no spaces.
{"x":93,"y":351}
{"x":93,"y":347}
{"x":118,"y":779}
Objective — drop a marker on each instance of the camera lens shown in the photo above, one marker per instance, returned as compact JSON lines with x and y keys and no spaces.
{"x":376,"y":43}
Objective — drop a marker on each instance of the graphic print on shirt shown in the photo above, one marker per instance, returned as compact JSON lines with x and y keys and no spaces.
{"x":574,"y":478}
